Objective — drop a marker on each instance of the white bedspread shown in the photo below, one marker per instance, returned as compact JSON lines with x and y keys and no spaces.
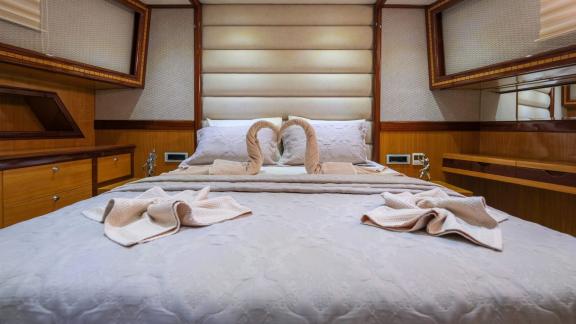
{"x":302,"y":257}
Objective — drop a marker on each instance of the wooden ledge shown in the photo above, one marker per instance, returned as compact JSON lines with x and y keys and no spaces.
{"x":26,"y":158}
{"x":548,"y":175}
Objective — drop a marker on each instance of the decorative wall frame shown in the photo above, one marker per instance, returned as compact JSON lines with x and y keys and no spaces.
{"x":135,"y":79}
{"x":436,"y":60}
{"x":567,"y":97}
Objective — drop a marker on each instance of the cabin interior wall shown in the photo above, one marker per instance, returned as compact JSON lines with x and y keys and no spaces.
{"x":167,"y":96}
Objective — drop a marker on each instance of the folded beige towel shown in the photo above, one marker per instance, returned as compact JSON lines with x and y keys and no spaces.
{"x":439,"y":214}
{"x":312,"y":154}
{"x":155,"y":214}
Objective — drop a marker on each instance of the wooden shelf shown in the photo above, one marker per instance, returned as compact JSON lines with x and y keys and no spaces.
{"x":462,"y":191}
{"x":548,"y":175}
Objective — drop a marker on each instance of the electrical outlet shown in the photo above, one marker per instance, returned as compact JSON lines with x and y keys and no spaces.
{"x":397,"y":158}
{"x":418,"y":158}
{"x":174,"y":157}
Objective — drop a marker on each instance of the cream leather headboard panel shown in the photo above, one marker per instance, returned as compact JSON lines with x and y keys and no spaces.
{"x":313,"y":61}
{"x":534,"y":104}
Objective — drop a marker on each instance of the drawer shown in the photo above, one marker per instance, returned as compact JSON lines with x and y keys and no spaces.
{"x":113,"y":167}
{"x":21,"y":211}
{"x":39,"y":181}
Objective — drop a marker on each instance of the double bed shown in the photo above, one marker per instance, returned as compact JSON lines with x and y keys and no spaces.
{"x":302,"y":256}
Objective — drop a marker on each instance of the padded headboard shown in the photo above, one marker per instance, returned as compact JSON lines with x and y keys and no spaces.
{"x":535,"y":104}
{"x":313,"y":61}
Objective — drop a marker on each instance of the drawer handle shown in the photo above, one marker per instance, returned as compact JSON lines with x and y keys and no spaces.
{"x":55,"y":169}
{"x":115,"y":159}
{"x":55,"y":198}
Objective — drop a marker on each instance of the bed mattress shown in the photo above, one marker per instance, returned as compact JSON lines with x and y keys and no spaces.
{"x":302,"y":257}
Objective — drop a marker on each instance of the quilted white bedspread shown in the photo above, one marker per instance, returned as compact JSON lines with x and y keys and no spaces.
{"x":302,"y":257}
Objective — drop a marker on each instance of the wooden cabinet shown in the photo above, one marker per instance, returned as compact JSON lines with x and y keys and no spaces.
{"x":114,"y":167}
{"x":37,"y":183}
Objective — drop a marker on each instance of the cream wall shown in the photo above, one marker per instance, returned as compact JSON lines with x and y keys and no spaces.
{"x":169,"y":90}
{"x":405,"y":90}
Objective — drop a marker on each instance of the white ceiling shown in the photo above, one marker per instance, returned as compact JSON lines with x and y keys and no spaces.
{"x":180,"y":2}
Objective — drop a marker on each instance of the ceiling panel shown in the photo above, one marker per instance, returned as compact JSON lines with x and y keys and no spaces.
{"x":411,"y":2}
{"x":288,"y":1}
{"x":166,"y":2}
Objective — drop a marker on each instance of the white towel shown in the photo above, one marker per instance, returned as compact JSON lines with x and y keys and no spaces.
{"x":439,"y":214}
{"x":155,"y":214}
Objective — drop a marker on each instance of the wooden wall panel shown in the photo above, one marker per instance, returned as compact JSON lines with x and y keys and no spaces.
{"x":549,"y":208}
{"x":146,"y":141}
{"x":16,"y":115}
{"x":530,"y":145}
{"x":434,"y":144}
{"x":78,"y":98}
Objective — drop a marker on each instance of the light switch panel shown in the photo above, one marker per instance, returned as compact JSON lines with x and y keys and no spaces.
{"x":397,"y":158}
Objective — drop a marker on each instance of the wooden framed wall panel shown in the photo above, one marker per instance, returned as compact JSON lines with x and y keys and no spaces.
{"x":440,"y":80}
{"x":20,"y":56}
{"x":376,"y":80}
{"x":198,"y":110}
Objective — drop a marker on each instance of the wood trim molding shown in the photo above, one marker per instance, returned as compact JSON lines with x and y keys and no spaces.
{"x":429,"y":126}
{"x":145,"y":124}
{"x":376,"y":80}
{"x":22,"y":159}
{"x":566,"y":95}
{"x":198,"y":108}
{"x":20,"y":56}
{"x":551,"y":126}
{"x":436,"y":61}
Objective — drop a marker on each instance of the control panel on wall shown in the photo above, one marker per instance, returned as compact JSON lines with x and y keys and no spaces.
{"x":175,"y":157}
{"x":397,"y":158}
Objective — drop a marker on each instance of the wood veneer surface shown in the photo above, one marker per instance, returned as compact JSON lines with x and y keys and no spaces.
{"x":146,"y":141}
{"x":433,"y":143}
{"x":78,"y":98}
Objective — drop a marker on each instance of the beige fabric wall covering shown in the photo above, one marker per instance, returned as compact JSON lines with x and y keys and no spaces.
{"x":290,"y":15}
{"x":313,"y":108}
{"x":169,"y":90}
{"x":405,"y":88}
{"x":287,"y":61}
{"x":287,"y":85}
{"x":495,"y":31}
{"x":287,"y":37}
{"x":95,"y":32}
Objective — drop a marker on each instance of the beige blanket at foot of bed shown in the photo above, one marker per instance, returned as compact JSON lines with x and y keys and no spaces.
{"x":439,"y":214}
{"x":155,"y":214}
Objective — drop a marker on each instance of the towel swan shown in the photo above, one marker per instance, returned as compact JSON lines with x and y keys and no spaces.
{"x":312,"y":155}
{"x":225,"y":167}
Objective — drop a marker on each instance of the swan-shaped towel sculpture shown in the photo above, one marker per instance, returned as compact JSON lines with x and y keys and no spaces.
{"x":225,"y":167}
{"x":312,"y":154}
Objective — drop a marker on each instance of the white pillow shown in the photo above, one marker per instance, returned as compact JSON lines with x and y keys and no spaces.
{"x":242,"y":122}
{"x":229,"y":143}
{"x":337,"y":142}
